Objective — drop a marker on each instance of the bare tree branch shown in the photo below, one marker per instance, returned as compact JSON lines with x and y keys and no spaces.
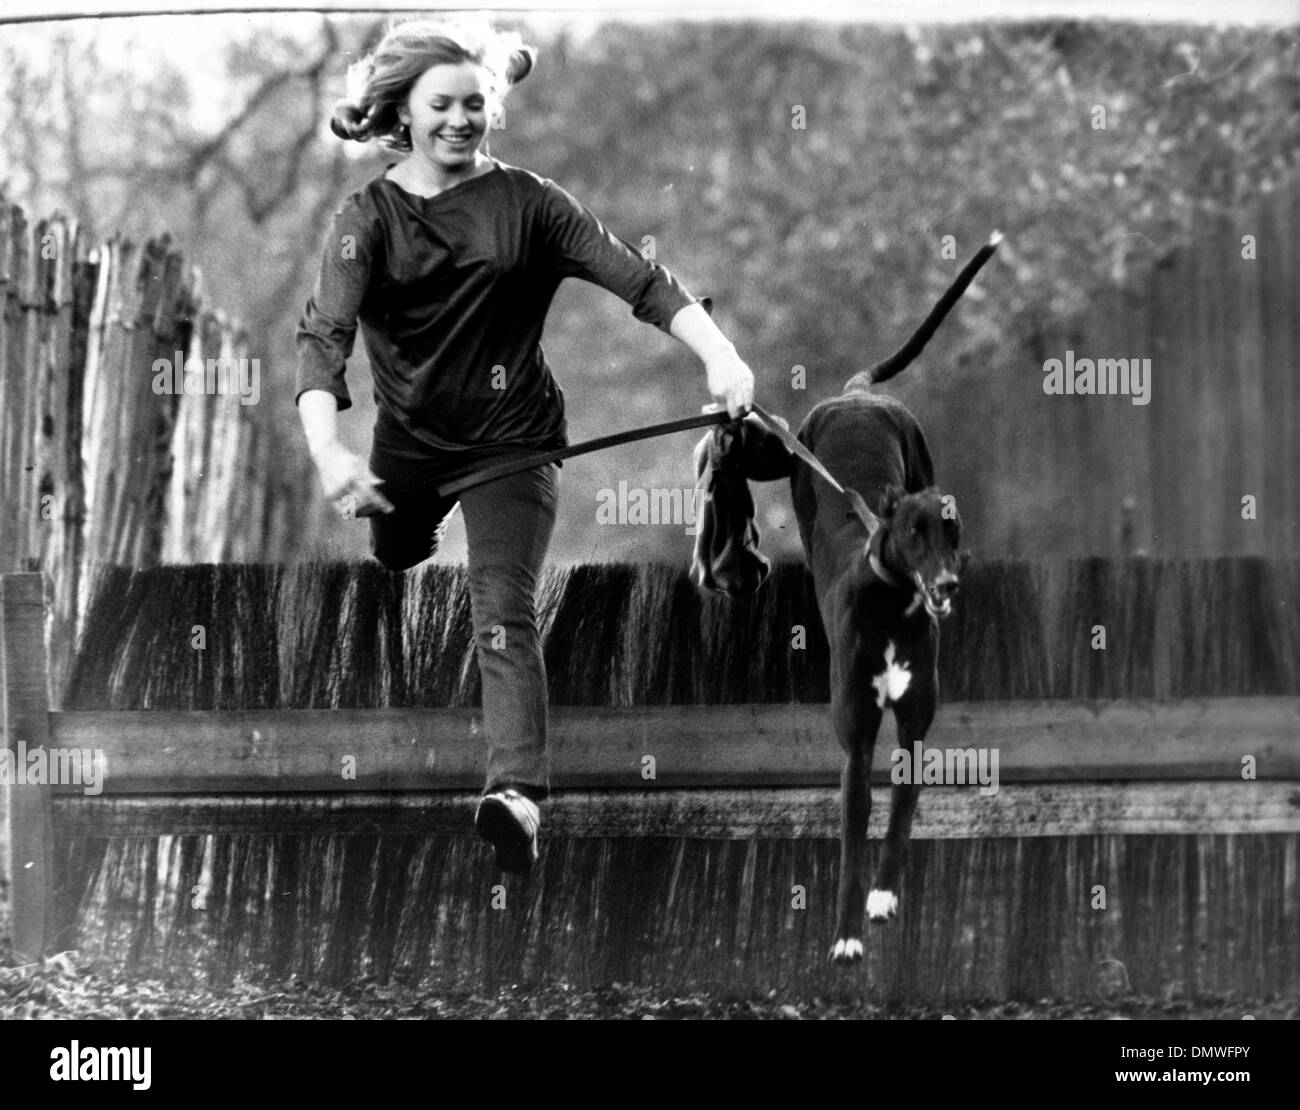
{"x":312,"y":71}
{"x":25,"y":89}
{"x":305,"y":245}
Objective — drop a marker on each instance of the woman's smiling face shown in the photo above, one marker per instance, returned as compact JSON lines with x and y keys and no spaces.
{"x":448,"y":112}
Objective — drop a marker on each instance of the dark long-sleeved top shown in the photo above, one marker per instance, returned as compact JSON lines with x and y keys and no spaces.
{"x":451,"y":293}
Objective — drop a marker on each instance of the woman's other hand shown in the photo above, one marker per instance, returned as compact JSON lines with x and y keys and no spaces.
{"x":731,"y":381}
{"x":348,"y":482}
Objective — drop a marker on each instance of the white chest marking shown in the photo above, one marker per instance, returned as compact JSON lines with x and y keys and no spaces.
{"x":893,"y":681}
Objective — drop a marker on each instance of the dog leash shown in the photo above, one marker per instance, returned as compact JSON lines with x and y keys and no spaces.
{"x":720,"y":416}
{"x":791,"y":441}
{"x":868,"y":518}
{"x":541,"y":458}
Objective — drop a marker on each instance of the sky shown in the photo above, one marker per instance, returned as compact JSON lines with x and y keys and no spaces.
{"x":873,"y":11}
{"x":194,"y":36}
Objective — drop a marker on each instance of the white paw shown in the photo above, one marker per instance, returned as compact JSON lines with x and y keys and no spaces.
{"x":881,"y":905}
{"x":847,"y":950}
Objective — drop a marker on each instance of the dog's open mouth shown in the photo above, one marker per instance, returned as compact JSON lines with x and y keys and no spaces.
{"x":936,"y":597}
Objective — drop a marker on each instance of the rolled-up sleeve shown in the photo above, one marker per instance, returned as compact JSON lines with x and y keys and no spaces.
{"x":328,"y":327}
{"x":582,"y":247}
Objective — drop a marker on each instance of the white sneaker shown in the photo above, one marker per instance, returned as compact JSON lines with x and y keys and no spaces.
{"x":509,"y":822}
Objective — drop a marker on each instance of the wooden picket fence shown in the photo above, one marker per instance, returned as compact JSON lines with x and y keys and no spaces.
{"x":97,"y":467}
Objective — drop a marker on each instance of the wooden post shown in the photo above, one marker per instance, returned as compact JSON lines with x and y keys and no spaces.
{"x":24,"y":717}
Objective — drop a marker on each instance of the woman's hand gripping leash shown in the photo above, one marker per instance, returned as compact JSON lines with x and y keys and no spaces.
{"x":730,"y":380}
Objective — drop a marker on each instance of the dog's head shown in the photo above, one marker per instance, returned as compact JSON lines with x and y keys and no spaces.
{"x":921,"y":541}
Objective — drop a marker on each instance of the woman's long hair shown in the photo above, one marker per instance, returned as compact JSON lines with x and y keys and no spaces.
{"x":381,"y":82}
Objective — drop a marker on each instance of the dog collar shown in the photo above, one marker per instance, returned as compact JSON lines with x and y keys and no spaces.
{"x":878,"y":567}
{"x":889,"y":578}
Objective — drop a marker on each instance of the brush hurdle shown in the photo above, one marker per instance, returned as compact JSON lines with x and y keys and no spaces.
{"x":751,"y":772}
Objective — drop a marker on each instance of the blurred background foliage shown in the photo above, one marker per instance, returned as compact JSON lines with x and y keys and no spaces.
{"x":821,"y":244}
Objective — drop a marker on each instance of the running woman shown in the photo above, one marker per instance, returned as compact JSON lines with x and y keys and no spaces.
{"x":449,"y":261}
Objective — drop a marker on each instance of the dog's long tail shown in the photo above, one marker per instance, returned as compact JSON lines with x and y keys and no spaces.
{"x":901,"y":358}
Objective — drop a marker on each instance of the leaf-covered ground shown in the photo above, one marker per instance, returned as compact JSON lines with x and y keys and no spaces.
{"x":63,"y":988}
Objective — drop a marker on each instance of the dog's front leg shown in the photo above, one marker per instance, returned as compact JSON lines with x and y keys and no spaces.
{"x":882,"y":902}
{"x":914,"y":714}
{"x":856,"y":725}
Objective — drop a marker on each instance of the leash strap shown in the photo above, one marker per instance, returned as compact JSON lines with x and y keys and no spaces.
{"x":541,"y":458}
{"x":791,"y":441}
{"x":868,"y":518}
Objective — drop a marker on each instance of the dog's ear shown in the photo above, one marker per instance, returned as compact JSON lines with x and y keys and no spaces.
{"x":963,"y":557}
{"x":707,"y":304}
{"x":889,"y":501}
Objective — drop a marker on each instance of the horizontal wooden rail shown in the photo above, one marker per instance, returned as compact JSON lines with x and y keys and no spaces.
{"x":961,"y":813}
{"x":358,"y":750}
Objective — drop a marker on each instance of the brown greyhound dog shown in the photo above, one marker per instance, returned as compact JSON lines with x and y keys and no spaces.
{"x":883,"y":581}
